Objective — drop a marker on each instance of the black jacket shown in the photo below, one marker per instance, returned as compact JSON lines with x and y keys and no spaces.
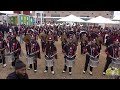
{"x":13,"y":75}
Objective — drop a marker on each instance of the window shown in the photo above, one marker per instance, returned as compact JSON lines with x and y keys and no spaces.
{"x":107,"y":14}
{"x":62,"y":12}
{"x":44,"y":15}
{"x":55,"y":12}
{"x":37,"y":14}
{"x":21,"y":18}
{"x":69,"y":12}
{"x":48,"y":11}
{"x":27,"y":23}
{"x":55,"y":15}
{"x":27,"y":18}
{"x":92,"y":13}
{"x":31,"y":19}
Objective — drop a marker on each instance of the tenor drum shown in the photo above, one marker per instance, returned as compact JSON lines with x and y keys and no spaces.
{"x":9,"y":58}
{"x":49,"y":62}
{"x":30,"y":60}
{"x":115,"y":63}
{"x":70,"y":62}
{"x":93,"y":62}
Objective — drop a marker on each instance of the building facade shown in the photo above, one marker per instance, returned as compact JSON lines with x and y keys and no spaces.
{"x":22,"y":12}
{"x":54,"y":15}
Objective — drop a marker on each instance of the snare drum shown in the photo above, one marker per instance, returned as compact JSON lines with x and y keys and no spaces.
{"x":9,"y":58}
{"x":30,"y":60}
{"x":70,"y":62}
{"x":115,"y":63}
{"x":49,"y":62}
{"x":93,"y":62}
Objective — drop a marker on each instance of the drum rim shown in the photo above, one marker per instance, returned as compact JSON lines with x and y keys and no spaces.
{"x":113,"y":61}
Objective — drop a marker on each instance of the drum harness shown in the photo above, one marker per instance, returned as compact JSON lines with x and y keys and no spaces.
{"x":92,"y":54}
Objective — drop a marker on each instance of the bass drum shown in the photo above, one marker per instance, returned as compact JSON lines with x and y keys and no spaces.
{"x":93,"y":62}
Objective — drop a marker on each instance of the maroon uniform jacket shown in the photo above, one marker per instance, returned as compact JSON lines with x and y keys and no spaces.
{"x":34,"y":46}
{"x":92,"y":50}
{"x":14,"y":45}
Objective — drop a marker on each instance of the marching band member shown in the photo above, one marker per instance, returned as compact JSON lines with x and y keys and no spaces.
{"x":63,"y":40}
{"x":69,"y":53}
{"x":15,"y":49}
{"x":99,"y":41}
{"x":8,"y":39}
{"x":112,"y":51}
{"x":34,"y":51}
{"x":90,"y":50}
{"x":21,"y":34}
{"x":3,"y":46}
{"x":43,"y":37}
{"x":84,"y":42}
{"x":51,"y":51}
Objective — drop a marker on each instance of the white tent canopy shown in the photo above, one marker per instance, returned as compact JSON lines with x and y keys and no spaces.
{"x":100,"y":20}
{"x":116,"y":18}
{"x":71,"y":18}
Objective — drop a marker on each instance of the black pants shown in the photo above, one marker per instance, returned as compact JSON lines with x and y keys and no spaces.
{"x":43,"y":46}
{"x":15,"y":59}
{"x":35,"y":65}
{"x":46,"y":68}
{"x":3,"y":60}
{"x":13,"y":63}
{"x":86,"y":63}
{"x":108,"y":61}
{"x":65,"y":67}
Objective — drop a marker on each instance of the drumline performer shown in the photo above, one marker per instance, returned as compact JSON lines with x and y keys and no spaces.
{"x":84,"y":42}
{"x":43,"y":37}
{"x":8,"y":39}
{"x":15,"y":49}
{"x":69,"y":55}
{"x":63,"y":40}
{"x":3,"y":46}
{"x":33,"y":50}
{"x":91,"y":50}
{"x":112,"y":51}
{"x":51,"y":53}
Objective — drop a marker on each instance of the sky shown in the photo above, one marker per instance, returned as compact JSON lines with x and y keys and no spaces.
{"x":116,"y":13}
